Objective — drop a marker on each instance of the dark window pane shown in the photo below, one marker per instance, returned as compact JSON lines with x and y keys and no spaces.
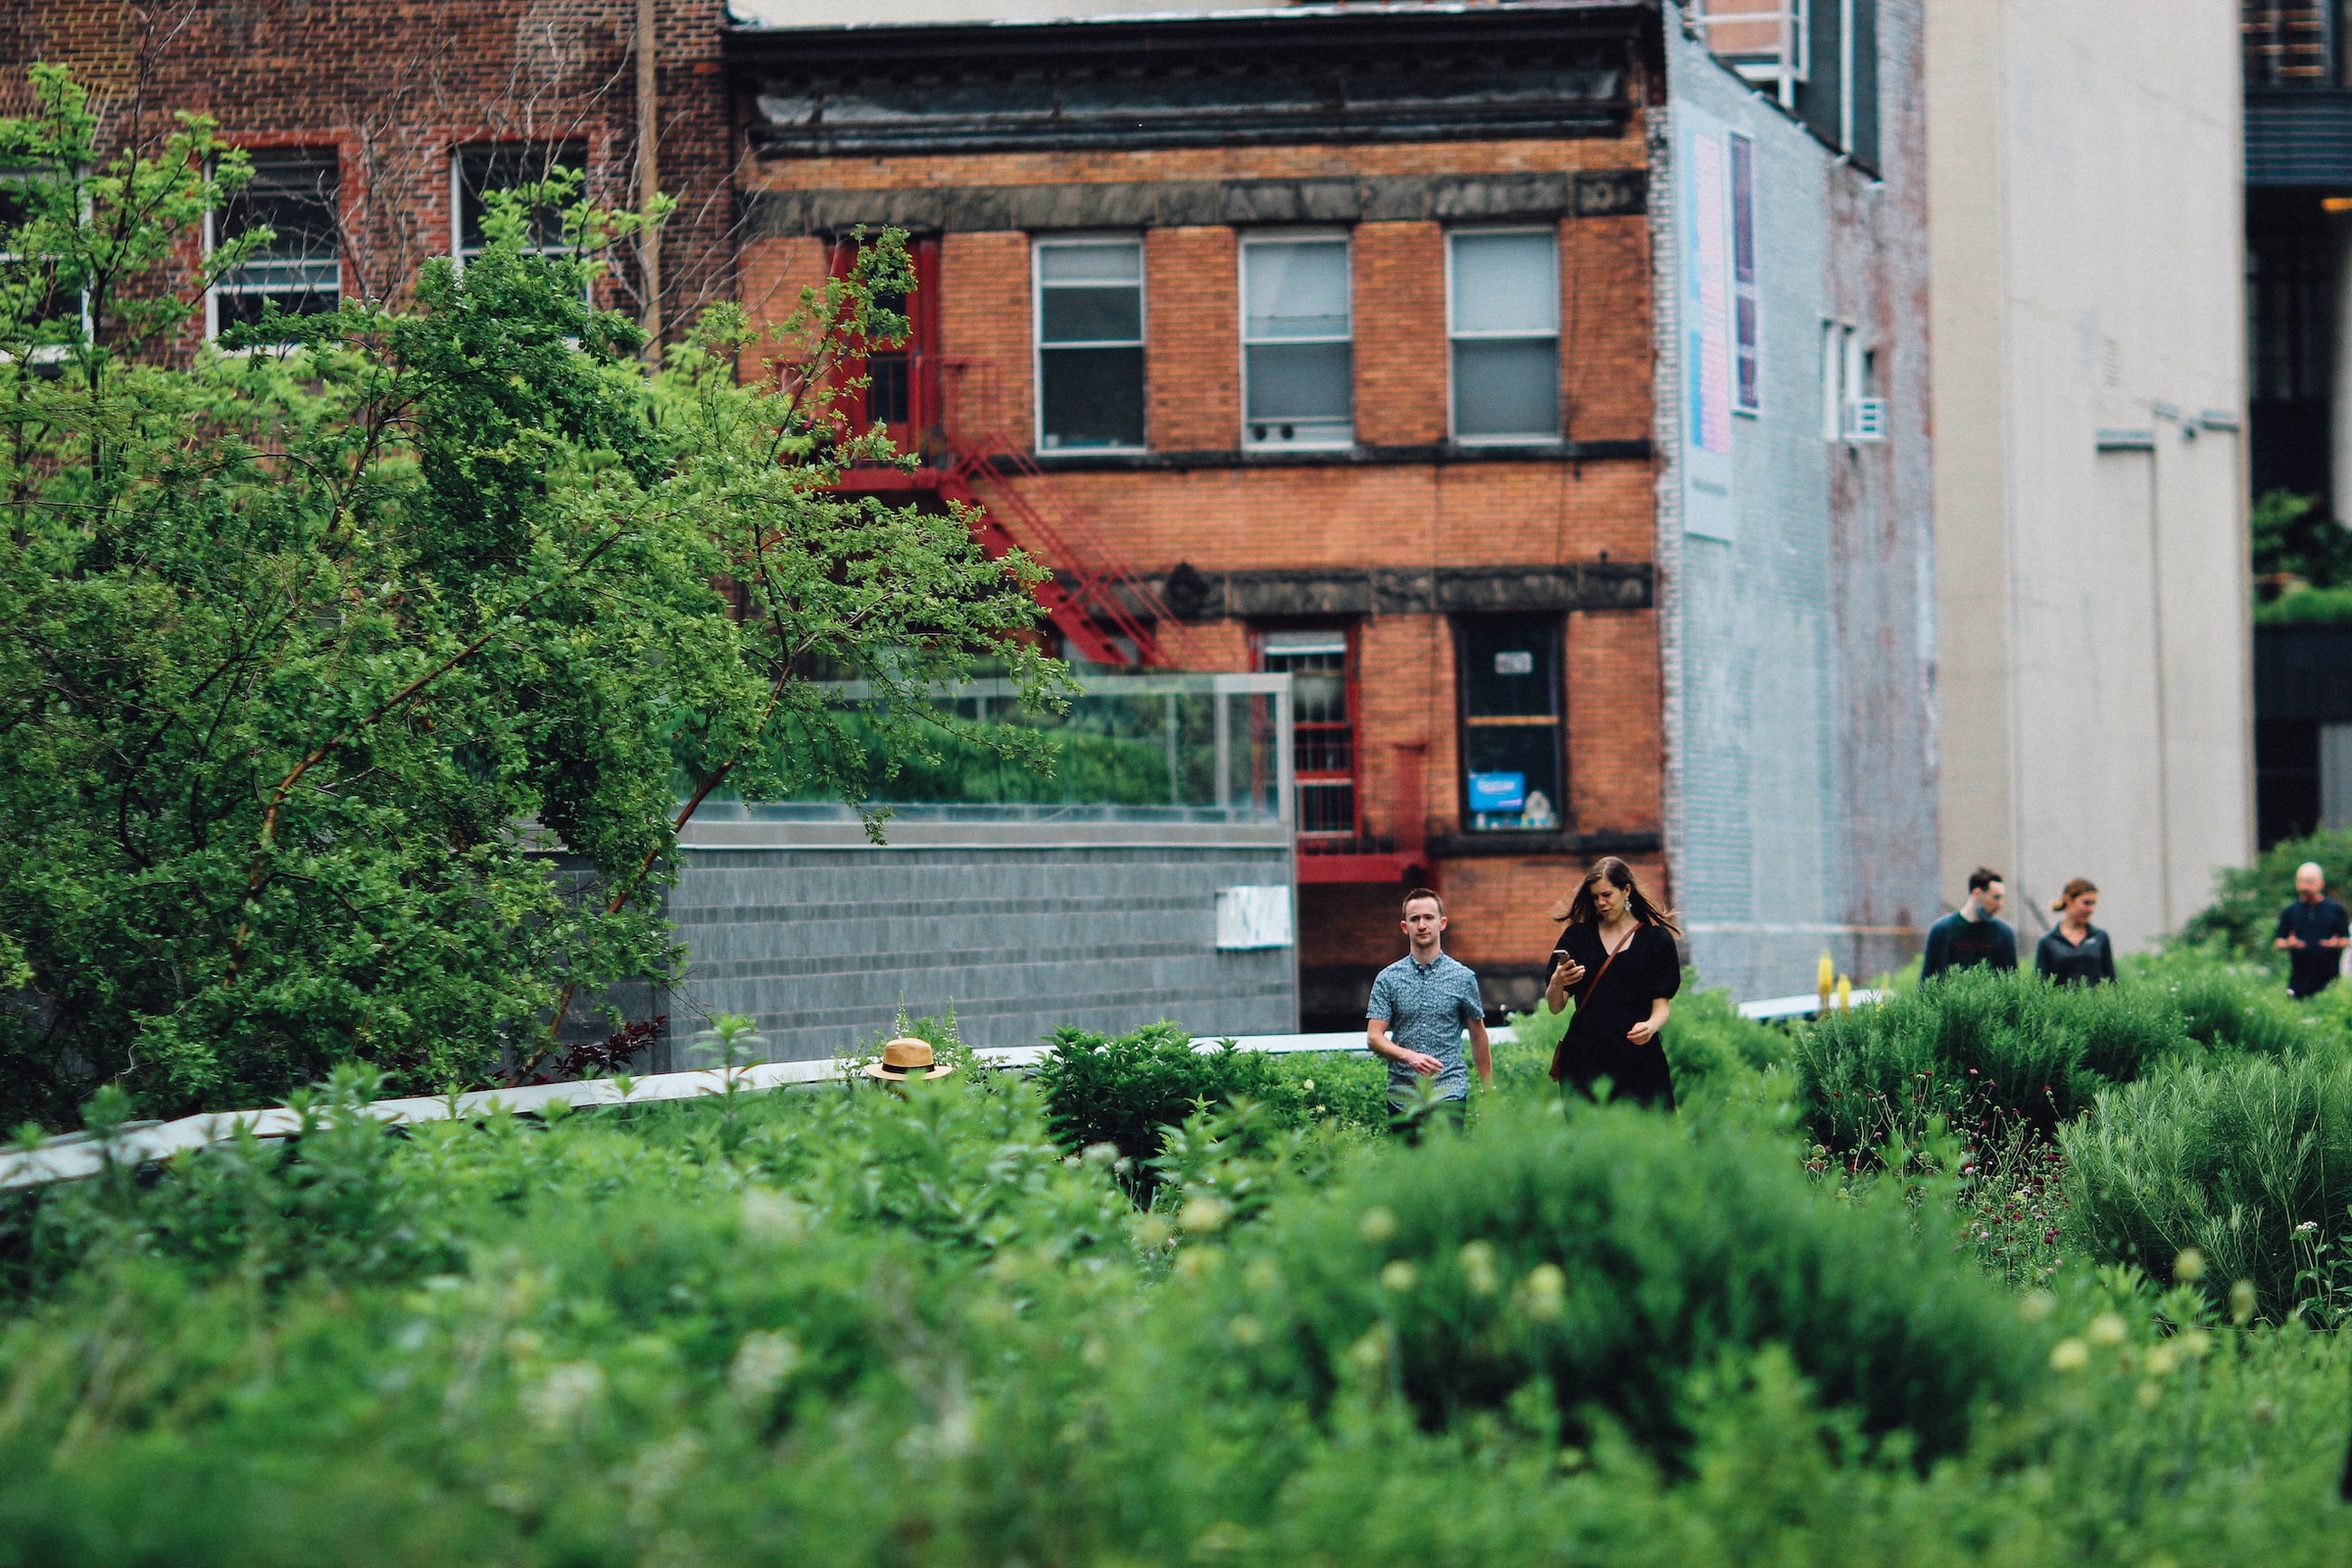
{"x":1327,"y":807}
{"x":886,"y":394}
{"x":1511,"y":706}
{"x":1114,"y":315}
{"x":1300,"y":381}
{"x":1092,"y":397}
{"x":487,"y":169}
{"x":1506,"y":388}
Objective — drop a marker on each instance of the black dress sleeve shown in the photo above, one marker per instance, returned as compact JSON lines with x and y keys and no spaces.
{"x":1665,"y":965}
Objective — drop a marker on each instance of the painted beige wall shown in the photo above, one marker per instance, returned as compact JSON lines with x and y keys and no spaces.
{"x":2094,"y":694}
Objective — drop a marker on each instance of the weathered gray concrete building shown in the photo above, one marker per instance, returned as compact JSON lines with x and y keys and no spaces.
{"x":1794,"y":522}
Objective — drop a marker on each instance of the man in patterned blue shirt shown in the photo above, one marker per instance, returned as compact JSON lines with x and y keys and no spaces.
{"x":1419,"y":1006}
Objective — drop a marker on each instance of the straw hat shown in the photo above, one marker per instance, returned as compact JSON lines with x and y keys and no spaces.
{"x":904,"y":1058}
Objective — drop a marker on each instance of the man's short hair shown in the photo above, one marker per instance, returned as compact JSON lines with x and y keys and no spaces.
{"x":1418,"y":893}
{"x":1982,"y":878}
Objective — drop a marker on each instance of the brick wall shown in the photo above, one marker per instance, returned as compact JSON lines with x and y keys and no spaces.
{"x":395,"y":88}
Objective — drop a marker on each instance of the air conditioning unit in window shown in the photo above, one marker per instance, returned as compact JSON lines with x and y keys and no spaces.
{"x":1865,"y":420}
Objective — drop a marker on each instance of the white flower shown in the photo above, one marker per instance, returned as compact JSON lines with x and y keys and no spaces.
{"x":762,"y":1364}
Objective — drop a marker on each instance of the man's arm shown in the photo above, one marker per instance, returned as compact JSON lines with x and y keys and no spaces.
{"x":1482,"y":1055}
{"x":2344,"y":932}
{"x":1376,"y":1034}
{"x":2286,"y":937}
{"x":2006,"y":958}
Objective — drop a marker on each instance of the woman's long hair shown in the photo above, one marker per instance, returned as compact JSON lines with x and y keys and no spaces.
{"x":1581,"y":911}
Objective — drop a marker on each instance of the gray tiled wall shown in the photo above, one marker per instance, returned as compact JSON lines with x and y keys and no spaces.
{"x":824,"y":946}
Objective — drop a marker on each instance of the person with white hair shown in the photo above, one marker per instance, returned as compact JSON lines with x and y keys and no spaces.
{"x":2313,"y":933}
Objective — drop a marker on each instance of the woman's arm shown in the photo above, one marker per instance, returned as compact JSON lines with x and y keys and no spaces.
{"x":1642,"y":1032}
{"x":1566,"y":975}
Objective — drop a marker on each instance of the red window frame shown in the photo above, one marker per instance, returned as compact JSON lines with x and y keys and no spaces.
{"x":1309,"y":737}
{"x":902,"y":379}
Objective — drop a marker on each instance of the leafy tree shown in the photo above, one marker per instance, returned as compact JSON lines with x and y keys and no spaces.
{"x":349,"y":684}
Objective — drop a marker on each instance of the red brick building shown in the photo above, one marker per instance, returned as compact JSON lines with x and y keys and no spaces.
{"x":1322,"y":342}
{"x":375,"y":128}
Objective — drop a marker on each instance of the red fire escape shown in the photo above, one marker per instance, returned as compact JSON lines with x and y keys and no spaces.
{"x":948,"y":414}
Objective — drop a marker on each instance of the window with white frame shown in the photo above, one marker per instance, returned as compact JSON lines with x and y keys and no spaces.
{"x":1503,"y":317}
{"x":39,"y":308}
{"x":1851,"y":408}
{"x":1090,"y":344}
{"x":297,"y":197}
{"x":476,"y":171}
{"x":1298,"y":355}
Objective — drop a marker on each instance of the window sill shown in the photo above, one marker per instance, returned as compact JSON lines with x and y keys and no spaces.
{"x":1357,"y":455}
{"x":1492,"y":844}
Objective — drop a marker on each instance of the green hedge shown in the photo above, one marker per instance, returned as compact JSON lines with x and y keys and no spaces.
{"x":1982,"y":1050}
{"x":1610,"y":1258}
{"x":2228,"y":1157}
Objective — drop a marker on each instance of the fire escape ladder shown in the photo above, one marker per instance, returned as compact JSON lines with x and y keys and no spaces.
{"x":1093,"y":598}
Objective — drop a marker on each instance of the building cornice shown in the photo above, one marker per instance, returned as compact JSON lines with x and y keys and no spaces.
{"x":1544,"y":68}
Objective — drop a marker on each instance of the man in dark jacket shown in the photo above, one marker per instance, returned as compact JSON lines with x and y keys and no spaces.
{"x":2313,"y":933}
{"x":1970,"y":936}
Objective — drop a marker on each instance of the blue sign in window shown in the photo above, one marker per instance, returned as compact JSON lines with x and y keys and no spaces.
{"x":1498,"y":792}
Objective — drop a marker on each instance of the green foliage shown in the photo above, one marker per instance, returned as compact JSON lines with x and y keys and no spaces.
{"x":2231,"y":1158}
{"x":2296,"y":538}
{"x":1981,"y":1051}
{"x":1127,"y":1089}
{"x":310,"y":658}
{"x":907,"y":1329}
{"x":1609,"y":1259}
{"x":2305,"y":607}
{"x":2243,"y":917}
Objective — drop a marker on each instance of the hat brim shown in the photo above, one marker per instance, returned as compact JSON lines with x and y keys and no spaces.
{"x":875,"y":1070}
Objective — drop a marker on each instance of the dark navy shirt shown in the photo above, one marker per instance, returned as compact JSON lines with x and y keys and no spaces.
{"x":2312,"y":967}
{"x":1956,"y":942}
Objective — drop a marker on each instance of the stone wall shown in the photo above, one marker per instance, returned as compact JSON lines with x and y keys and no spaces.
{"x":1019,"y":928}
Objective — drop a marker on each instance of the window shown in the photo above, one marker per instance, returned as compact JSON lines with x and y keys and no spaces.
{"x":902,"y":376}
{"x":37,"y":307}
{"x":1503,"y":314}
{"x":1090,"y":344}
{"x":1297,"y":363}
{"x":1511,"y":722}
{"x":1819,"y":57}
{"x":1747,"y":376}
{"x":1851,"y":407}
{"x":293,"y":195}
{"x":1322,"y":721}
{"x":474,"y":171}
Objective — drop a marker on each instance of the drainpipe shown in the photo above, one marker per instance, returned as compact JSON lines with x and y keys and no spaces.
{"x":648,"y":243}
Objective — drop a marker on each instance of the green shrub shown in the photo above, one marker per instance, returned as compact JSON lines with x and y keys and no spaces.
{"x":1127,"y":1089}
{"x":1351,"y":1087}
{"x":2243,"y":917}
{"x":2227,"y":1156}
{"x":1610,"y":1258}
{"x":2227,"y":1006}
{"x":1979,"y":1048}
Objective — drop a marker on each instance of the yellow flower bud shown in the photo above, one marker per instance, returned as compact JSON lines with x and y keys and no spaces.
{"x":2190,"y":1266}
{"x":2108,"y":1328}
{"x":2069,"y":1355}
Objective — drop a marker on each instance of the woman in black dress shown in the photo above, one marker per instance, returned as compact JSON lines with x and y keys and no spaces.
{"x":2076,"y":953}
{"x":1617,"y":961}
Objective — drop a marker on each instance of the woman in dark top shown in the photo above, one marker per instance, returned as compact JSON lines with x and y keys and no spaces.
{"x":2076,"y":953}
{"x":1617,"y":961}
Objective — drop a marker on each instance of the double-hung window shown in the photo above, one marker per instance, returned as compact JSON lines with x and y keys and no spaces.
{"x":1090,"y":344}
{"x":1504,"y":315}
{"x":295,"y":196}
{"x":1297,"y":358}
{"x":476,"y":171}
{"x":42,"y":313}
{"x":1322,"y":723}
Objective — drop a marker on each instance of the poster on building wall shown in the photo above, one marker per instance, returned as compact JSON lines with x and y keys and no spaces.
{"x":1702,"y":200}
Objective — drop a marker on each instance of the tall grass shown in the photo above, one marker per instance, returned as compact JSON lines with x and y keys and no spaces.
{"x":2229,"y":1157}
{"x":1982,"y":1050}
